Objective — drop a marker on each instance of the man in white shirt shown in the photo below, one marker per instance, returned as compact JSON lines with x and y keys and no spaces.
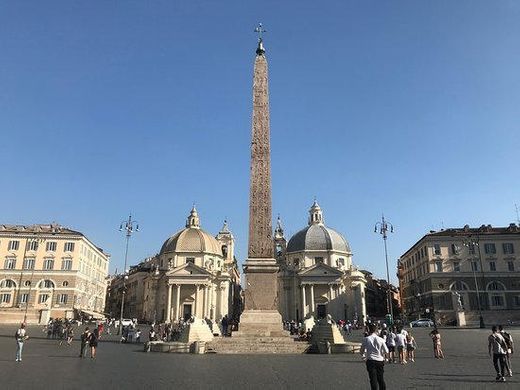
{"x":374,"y":348}
{"x":20,"y":337}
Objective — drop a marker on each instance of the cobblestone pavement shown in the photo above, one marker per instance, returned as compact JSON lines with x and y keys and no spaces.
{"x":46,"y":365}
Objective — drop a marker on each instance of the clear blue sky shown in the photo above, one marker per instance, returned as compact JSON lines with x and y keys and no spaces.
{"x":410,"y":108}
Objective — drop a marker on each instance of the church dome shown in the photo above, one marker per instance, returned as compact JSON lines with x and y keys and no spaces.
{"x":317,"y":237}
{"x":192,"y":239}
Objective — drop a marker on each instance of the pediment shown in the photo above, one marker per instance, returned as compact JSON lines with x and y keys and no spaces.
{"x":189,"y":269}
{"x":321,"y":269}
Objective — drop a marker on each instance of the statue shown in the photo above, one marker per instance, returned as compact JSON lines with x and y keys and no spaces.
{"x":459,"y":301}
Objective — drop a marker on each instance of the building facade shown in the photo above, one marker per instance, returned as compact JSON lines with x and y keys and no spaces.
{"x":49,"y":271}
{"x":474,"y":271}
{"x":377,"y":297}
{"x":317,"y":276}
{"x":194,"y":274}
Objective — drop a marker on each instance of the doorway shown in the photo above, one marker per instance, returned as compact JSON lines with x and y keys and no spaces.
{"x":321,"y":311}
{"x":186,"y":312}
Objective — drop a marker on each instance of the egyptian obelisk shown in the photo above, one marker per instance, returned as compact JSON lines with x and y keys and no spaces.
{"x":261,"y":316}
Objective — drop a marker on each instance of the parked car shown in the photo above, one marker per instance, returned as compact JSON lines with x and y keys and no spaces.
{"x":421,"y":322}
{"x":125,"y":322}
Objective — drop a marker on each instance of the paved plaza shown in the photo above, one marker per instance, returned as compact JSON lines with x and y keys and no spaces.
{"x":46,"y":365}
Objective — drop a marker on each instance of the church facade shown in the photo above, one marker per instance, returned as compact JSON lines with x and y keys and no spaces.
{"x":194,"y":274}
{"x":316,"y":275}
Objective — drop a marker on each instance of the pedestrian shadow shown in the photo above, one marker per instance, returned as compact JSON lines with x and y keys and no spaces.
{"x":63,"y":356}
{"x":462,"y":380}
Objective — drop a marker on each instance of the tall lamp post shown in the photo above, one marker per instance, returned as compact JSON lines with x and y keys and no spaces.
{"x":471,"y":243}
{"x":382,"y":228}
{"x":129,"y":227}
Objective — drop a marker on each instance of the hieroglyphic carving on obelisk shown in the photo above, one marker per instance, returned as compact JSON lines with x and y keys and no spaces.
{"x":260,"y":215}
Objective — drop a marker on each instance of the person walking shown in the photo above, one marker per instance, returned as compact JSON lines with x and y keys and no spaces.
{"x":84,"y":341}
{"x":400,"y":343}
{"x":93,"y":342}
{"x":20,"y":336}
{"x":497,"y":345}
{"x":70,"y":334}
{"x":374,"y":349}
{"x":510,"y":348}
{"x":225,"y":323}
{"x":390,"y":343}
{"x":437,"y":347}
{"x":411,"y":346}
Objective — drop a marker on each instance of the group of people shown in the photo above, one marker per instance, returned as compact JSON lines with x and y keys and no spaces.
{"x":500,"y":347}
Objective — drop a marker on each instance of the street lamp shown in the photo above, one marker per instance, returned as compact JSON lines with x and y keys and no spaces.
{"x":382,"y":228}
{"x":128,"y":227}
{"x":471,"y":243}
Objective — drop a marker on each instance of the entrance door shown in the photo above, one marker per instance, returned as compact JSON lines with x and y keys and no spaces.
{"x":186,"y":312}
{"x":321,"y":311}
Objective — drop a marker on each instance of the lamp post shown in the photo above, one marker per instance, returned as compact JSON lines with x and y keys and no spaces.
{"x":471,"y":243}
{"x":382,"y":228}
{"x":128,"y":227}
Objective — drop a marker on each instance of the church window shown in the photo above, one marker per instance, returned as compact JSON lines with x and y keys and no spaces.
{"x":318,"y":260}
{"x":224,"y":250}
{"x":437,"y":249}
{"x":296,"y":262}
{"x":190,"y":260}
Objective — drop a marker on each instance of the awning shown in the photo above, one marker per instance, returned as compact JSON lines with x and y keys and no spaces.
{"x":93,"y":314}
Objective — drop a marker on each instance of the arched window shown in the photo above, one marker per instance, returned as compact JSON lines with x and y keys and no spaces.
{"x":459,"y":286}
{"x":46,"y":284}
{"x":7,"y":283}
{"x":495,"y":286}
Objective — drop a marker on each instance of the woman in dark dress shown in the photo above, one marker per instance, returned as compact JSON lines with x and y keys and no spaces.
{"x":93,"y":343}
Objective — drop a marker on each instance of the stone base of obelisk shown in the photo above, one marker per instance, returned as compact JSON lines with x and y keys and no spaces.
{"x":261,"y":317}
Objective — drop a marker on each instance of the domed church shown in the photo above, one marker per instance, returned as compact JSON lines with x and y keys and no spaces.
{"x":194,"y":274}
{"x":316,"y":273}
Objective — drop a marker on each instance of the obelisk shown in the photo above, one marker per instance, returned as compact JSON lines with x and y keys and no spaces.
{"x":261,"y":316}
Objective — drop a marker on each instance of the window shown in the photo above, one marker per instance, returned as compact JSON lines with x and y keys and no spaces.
{"x":65,"y":283}
{"x":508,"y":248}
{"x":438,"y":266}
{"x":43,"y":298}
{"x":318,"y":260}
{"x":5,"y":298}
{"x":69,"y":247}
{"x":46,"y":284}
{"x":471,"y":248}
{"x":437,"y":249}
{"x":190,"y":260}
{"x":23,"y":298}
{"x":456,"y":266}
{"x":474,"y":266}
{"x":495,"y":286}
{"x":32,"y":245}
{"x":296,"y":262}
{"x":66,"y":265}
{"x":490,"y":249}
{"x":48,"y":264}
{"x":459,"y":286}
{"x":516,"y":300}
{"x":27,"y":283}
{"x":62,"y":299}
{"x":10,"y":263}
{"x":13,"y":245}
{"x":28,"y":263}
{"x":454,"y":249}
{"x":8,"y":283}
{"x":510,"y":266}
{"x":497,"y":300}
{"x":492,"y":266}
{"x":50,"y":246}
